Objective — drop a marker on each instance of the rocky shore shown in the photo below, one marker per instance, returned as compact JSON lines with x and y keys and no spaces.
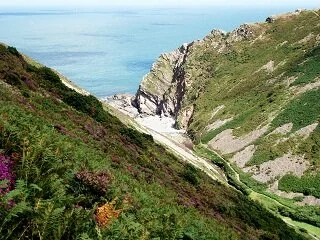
{"x":126,"y":104}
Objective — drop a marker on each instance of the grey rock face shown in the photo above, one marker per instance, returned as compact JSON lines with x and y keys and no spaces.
{"x":185,"y":117}
{"x":162,"y":89}
{"x":241,"y":33}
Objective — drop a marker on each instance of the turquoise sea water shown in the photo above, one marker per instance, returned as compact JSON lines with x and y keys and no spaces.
{"x":108,"y":51}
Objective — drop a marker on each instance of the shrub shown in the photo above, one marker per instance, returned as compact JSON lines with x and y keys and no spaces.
{"x":307,"y":184}
{"x":49,"y":75}
{"x":86,"y":104}
{"x":97,"y":181}
{"x":190,"y":174}
{"x":12,"y":79}
{"x":13,"y":51}
{"x":301,"y":112}
{"x":141,"y":139}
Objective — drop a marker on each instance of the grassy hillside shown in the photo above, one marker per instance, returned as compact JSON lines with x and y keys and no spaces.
{"x":255,"y":96}
{"x":70,"y":170}
{"x":241,"y":80}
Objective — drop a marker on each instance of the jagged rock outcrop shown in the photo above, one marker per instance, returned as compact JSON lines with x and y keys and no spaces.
{"x":161,"y":90}
{"x":245,"y":31}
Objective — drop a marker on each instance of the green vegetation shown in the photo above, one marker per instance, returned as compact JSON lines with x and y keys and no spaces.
{"x":238,"y":77}
{"x":230,"y":173}
{"x":309,"y":70}
{"x":304,"y":227}
{"x":267,"y":150}
{"x":73,"y":160}
{"x":267,"y":78}
{"x":237,"y":122}
{"x":301,"y":222}
{"x":301,"y":112}
{"x":307,"y":184}
{"x":306,"y":216}
{"x":311,"y":149}
{"x":190,"y":174}
{"x":261,"y":156}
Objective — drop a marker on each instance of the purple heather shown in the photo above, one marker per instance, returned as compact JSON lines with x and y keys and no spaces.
{"x":6,"y":173}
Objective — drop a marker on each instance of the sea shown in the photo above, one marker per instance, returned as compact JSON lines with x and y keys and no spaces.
{"x":108,"y":51}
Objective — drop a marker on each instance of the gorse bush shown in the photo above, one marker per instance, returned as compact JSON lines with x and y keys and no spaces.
{"x":86,"y":104}
{"x":49,"y":76}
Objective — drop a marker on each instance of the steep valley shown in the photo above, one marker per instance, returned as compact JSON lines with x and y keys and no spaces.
{"x":249,"y":100}
{"x":71,"y":170}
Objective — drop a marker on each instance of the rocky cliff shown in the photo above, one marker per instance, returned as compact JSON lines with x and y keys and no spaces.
{"x":163,"y":89}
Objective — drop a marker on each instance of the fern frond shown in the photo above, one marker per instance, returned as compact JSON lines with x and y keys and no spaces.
{"x":13,"y":215}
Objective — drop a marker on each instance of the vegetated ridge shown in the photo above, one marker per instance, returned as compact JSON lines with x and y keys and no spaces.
{"x":251,"y":95}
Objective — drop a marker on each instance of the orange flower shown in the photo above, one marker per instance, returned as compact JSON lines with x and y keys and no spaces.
{"x":106,"y":213}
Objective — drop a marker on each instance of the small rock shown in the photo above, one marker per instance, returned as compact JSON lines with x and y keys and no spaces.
{"x":270,"y":20}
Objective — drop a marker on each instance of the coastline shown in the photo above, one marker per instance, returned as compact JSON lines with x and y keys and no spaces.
{"x":161,"y":124}
{"x":163,"y":132}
